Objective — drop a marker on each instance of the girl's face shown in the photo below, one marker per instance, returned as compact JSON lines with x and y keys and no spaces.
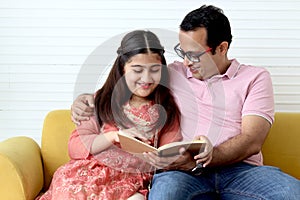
{"x":143,"y":73}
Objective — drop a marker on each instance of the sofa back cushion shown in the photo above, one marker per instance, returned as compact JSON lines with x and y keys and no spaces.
{"x":280,"y":149}
{"x":282,"y":146}
{"x":54,"y":146}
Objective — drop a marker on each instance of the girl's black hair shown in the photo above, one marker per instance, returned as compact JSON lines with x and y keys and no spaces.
{"x":115,"y":92}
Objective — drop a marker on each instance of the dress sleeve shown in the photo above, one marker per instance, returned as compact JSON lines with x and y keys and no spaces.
{"x":108,"y":127}
{"x":82,"y":138}
{"x":173,"y":135}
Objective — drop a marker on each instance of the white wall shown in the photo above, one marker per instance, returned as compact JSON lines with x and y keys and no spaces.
{"x":44,"y":44}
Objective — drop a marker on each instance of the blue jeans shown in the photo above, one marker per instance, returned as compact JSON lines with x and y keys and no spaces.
{"x":234,"y":182}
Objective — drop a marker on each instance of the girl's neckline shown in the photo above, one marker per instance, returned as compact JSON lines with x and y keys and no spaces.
{"x":138,"y":103}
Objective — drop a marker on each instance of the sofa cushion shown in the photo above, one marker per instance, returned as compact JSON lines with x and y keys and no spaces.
{"x":54,"y":146}
{"x":281,"y":148}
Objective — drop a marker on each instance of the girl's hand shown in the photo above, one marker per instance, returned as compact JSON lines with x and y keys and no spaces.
{"x":112,"y":136}
{"x":104,"y":141}
{"x":134,"y":132}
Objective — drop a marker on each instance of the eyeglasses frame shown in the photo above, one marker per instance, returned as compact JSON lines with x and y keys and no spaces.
{"x":187,"y":54}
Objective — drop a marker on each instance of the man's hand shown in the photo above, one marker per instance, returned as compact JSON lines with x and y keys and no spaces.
{"x":204,"y":157}
{"x":82,"y":108}
{"x":184,"y":161}
{"x":180,"y":162}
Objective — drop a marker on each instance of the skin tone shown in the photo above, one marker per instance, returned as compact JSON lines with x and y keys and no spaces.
{"x":82,"y":108}
{"x":142,"y":74}
{"x":141,"y":77}
{"x":209,"y":65}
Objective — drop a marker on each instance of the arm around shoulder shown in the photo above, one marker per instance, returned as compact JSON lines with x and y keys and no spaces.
{"x":82,"y":108}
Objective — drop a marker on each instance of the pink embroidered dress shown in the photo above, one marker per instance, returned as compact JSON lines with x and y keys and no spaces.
{"x":113,"y":173}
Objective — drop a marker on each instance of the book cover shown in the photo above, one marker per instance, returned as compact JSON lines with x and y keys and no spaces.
{"x":135,"y":146}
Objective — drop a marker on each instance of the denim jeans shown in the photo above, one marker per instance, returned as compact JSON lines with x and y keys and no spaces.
{"x":240,"y":181}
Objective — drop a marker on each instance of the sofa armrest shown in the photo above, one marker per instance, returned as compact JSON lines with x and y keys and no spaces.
{"x":21,"y":170}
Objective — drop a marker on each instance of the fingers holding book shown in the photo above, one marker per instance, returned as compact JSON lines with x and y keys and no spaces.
{"x":160,"y":162}
{"x":205,"y":156}
{"x":135,"y":133}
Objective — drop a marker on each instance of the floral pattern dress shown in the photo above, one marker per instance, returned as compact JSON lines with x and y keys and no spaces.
{"x":112,"y":174}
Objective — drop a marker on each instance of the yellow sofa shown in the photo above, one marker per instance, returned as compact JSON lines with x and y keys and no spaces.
{"x":25,"y":168}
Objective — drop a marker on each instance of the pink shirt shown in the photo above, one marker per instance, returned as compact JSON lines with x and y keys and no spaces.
{"x":215,"y":107}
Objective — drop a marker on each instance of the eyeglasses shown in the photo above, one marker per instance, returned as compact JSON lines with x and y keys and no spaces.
{"x":192,"y":56}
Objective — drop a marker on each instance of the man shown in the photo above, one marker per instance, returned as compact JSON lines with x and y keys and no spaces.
{"x":234,"y":108}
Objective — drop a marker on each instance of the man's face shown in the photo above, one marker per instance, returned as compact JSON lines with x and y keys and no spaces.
{"x":194,"y":43}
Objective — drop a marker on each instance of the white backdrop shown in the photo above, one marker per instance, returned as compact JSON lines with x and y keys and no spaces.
{"x":43,"y":45}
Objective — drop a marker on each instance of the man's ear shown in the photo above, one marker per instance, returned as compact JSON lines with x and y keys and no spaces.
{"x":223,"y":48}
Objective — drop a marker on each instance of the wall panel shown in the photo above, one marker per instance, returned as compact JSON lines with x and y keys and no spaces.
{"x":45,"y":44}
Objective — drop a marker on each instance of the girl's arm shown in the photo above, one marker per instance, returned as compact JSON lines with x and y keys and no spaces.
{"x":173,"y":135}
{"x":103,"y":141}
{"x":87,"y":139}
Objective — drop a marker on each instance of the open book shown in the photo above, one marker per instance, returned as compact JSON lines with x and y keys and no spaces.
{"x":135,"y":146}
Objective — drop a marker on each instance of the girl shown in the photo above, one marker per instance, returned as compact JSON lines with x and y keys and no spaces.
{"x":134,"y":98}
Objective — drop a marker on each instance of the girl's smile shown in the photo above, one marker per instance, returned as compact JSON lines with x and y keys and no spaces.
{"x":143,"y":73}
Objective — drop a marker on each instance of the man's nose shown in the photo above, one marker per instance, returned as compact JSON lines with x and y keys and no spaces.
{"x":187,"y":62}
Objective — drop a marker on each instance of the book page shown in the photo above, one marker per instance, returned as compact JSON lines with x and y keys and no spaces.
{"x":135,"y":146}
{"x":172,"y":149}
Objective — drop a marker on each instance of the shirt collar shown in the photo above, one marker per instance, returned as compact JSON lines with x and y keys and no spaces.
{"x":232,"y":69}
{"x":230,"y":73}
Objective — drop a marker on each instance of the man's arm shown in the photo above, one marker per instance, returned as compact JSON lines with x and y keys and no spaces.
{"x":249,"y":142}
{"x":254,"y":132}
{"x":82,"y":108}
{"x":254,"y":128}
